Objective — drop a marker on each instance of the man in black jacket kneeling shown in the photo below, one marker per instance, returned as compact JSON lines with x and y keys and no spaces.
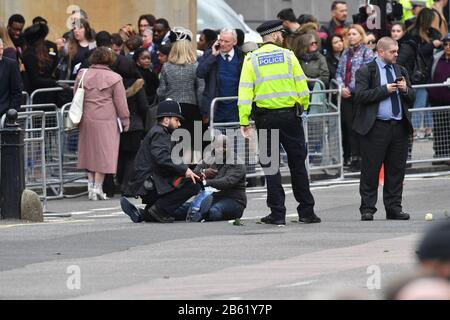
{"x":162,"y":184}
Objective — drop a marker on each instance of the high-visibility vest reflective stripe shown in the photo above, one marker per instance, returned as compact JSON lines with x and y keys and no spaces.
{"x":273,"y":78}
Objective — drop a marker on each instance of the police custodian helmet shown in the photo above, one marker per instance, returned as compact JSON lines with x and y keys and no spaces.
{"x":169,"y":108}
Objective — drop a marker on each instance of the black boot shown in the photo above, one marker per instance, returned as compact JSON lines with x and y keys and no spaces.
{"x":154,"y":214}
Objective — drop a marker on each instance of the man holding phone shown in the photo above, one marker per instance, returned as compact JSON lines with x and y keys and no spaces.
{"x":384,"y":124}
{"x":221,"y":68}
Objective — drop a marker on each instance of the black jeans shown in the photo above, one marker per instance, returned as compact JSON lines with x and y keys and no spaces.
{"x":292,"y":138}
{"x":170,"y":202}
{"x":386,"y":143}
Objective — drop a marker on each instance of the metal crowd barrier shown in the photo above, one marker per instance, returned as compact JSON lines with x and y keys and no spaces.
{"x":52,"y":129}
{"x":69,"y":153}
{"x":322,"y":134}
{"x":434,"y":148}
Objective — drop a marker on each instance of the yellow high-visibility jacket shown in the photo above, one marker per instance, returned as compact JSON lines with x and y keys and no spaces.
{"x":273,"y":78}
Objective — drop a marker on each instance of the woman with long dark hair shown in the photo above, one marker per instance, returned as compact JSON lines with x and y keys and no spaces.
{"x":39,"y":64}
{"x":421,"y":41}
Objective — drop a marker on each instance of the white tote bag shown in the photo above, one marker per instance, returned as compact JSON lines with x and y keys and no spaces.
{"x":76,"y":109}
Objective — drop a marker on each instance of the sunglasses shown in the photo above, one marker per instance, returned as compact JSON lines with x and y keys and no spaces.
{"x":371,"y":42}
{"x":446,"y":44}
{"x":313,"y":43}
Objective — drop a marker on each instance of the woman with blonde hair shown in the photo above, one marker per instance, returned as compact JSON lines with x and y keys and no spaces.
{"x":179,"y":82}
{"x":356,"y":55}
{"x":105,"y":113}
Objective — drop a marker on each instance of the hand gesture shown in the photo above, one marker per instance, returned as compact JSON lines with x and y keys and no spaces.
{"x":191,"y":175}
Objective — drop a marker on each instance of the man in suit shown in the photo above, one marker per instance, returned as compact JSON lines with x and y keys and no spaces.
{"x":10,"y":84}
{"x":383,"y":95}
{"x":221,"y":68}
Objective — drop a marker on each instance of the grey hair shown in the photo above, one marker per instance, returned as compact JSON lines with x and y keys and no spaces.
{"x":150,"y":30}
{"x":230,"y":31}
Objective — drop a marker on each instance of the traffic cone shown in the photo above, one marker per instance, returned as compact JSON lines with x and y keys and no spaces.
{"x":381,"y":177}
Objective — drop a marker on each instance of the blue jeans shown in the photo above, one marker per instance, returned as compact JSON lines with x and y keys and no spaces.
{"x":418,"y":117}
{"x":221,"y":210}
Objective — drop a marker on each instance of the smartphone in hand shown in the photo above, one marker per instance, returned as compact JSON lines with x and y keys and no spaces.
{"x":398,"y":79}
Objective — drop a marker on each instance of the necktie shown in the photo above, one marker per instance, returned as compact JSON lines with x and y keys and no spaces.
{"x":394,"y":95}
{"x":227,"y":57}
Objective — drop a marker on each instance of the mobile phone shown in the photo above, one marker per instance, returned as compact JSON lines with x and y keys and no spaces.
{"x":398,"y":79}
{"x":217,"y":46}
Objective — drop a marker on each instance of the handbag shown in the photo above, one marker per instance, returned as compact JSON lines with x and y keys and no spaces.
{"x":76,"y":108}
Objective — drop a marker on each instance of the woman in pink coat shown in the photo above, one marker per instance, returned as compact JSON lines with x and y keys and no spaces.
{"x":105,"y":106}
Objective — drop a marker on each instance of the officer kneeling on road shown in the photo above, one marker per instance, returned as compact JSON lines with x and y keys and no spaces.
{"x":273,"y":79}
{"x":163,"y":185}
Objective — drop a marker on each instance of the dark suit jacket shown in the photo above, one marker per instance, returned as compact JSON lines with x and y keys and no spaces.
{"x":10,"y":85}
{"x":208,"y":69}
{"x":369,"y":93}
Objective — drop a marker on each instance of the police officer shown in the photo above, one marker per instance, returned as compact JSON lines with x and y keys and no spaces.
{"x":162,"y":184}
{"x":273,"y":80}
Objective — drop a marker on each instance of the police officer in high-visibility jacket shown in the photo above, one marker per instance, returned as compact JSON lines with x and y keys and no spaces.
{"x":273,"y":80}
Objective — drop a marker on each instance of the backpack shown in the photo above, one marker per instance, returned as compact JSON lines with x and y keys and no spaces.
{"x":421,"y":71}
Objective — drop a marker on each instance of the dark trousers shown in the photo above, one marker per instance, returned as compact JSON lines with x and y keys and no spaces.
{"x":292,"y":138}
{"x":168,"y":203}
{"x":386,"y":143}
{"x":350,"y":138}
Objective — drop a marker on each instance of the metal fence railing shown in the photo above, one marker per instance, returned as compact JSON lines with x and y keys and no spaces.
{"x":322,"y":134}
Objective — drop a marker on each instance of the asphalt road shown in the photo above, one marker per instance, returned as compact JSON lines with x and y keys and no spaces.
{"x":90,"y":250}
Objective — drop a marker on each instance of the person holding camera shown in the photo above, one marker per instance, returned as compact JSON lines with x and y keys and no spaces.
{"x":383,"y":95}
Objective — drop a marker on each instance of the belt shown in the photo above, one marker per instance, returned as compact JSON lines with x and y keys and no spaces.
{"x":392,"y":122}
{"x":282,"y":110}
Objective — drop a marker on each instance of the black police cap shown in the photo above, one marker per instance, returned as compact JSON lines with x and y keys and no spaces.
{"x":269,"y":27}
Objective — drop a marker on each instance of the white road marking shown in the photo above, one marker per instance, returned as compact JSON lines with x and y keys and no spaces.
{"x":297,"y":284}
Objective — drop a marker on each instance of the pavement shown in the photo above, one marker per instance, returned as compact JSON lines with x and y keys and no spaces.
{"x":91,"y":250}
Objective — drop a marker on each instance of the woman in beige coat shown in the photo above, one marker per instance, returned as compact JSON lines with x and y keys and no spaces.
{"x":105,"y":111}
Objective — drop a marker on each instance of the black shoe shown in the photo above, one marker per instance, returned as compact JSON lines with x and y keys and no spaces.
{"x":367,"y":216}
{"x":161,"y":218}
{"x":270,"y":220}
{"x":130,"y":210}
{"x":397,"y":216}
{"x":310,"y":219}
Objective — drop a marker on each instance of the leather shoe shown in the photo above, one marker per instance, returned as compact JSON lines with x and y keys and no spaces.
{"x":161,"y":218}
{"x":367,"y":216}
{"x":270,"y":220}
{"x":310,"y":219}
{"x":397,"y":216}
{"x":130,"y":210}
